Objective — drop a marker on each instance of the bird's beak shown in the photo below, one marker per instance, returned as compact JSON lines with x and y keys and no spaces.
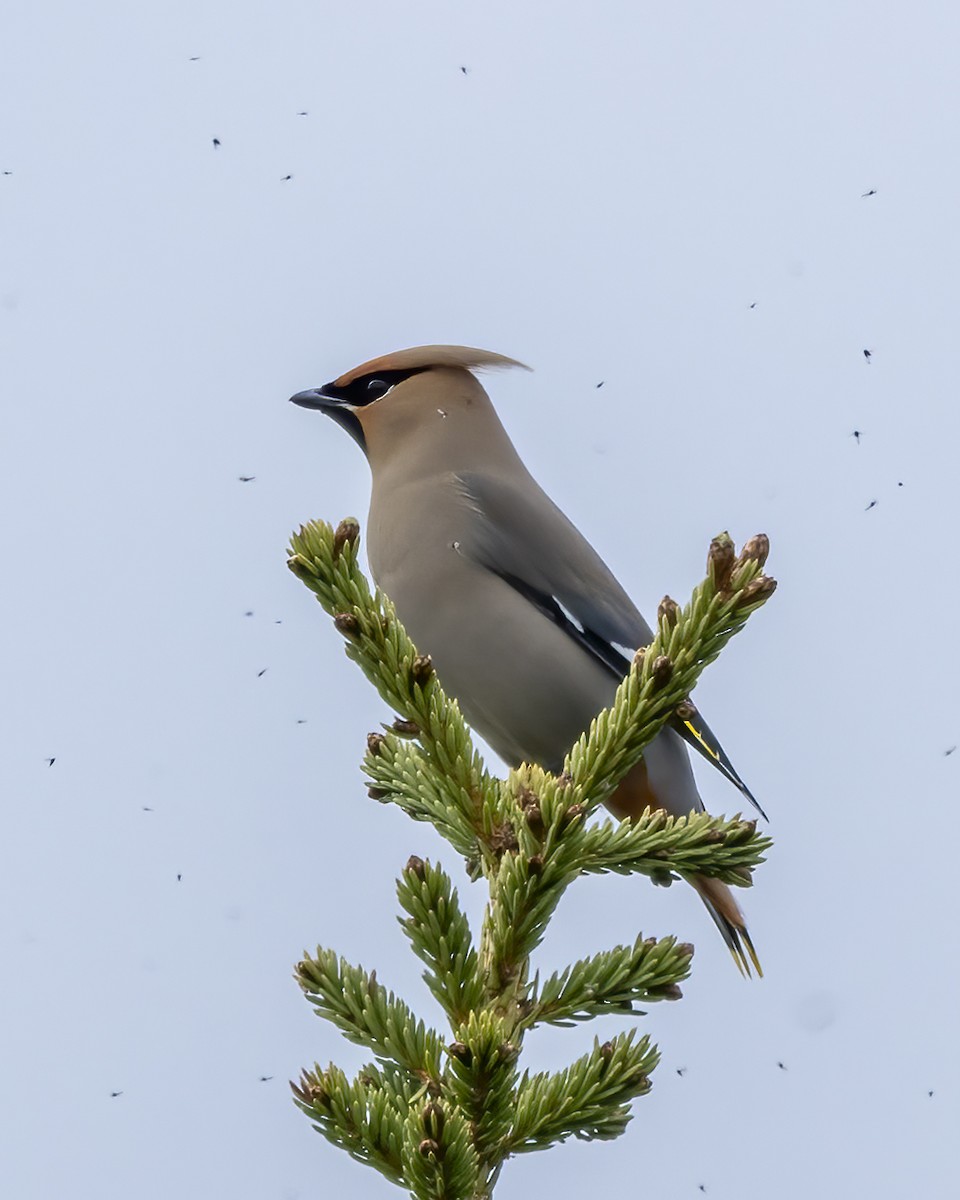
{"x":315,"y":398}
{"x":334,"y":406}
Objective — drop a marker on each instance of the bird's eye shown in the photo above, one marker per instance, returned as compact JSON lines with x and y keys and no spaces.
{"x":377,"y":387}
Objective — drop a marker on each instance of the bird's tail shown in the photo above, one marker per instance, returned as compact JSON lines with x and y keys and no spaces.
{"x":728,"y":918}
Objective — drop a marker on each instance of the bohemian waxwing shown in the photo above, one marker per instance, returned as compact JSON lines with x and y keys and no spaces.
{"x":525,"y":624}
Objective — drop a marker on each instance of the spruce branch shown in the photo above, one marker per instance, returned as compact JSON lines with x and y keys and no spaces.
{"x":400,"y":773}
{"x":326,"y":561}
{"x":482,"y":1079}
{"x":440,"y":1161}
{"x":364,"y":1116}
{"x":664,"y":673}
{"x":589,"y":1099}
{"x":440,"y":1114}
{"x":440,"y":937}
{"x":656,"y":844}
{"x":366,"y":1013}
{"x":613,"y":981}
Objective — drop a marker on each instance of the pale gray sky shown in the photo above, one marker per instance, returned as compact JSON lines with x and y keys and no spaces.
{"x":604,"y":195}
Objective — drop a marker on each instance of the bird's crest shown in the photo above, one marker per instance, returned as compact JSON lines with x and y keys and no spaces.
{"x":421,"y":357}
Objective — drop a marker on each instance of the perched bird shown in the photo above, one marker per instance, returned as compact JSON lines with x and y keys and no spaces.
{"x":525,"y":624}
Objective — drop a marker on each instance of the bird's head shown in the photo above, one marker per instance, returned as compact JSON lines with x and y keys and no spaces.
{"x":384,"y":399}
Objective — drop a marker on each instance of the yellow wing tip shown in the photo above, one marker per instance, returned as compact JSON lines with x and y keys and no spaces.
{"x":701,"y":740}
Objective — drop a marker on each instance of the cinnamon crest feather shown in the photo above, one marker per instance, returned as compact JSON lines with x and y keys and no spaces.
{"x":422,"y":357}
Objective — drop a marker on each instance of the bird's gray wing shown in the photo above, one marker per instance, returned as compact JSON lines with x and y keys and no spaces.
{"x":522,"y":536}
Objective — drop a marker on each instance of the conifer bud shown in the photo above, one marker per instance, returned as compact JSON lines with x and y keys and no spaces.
{"x":721,"y":559}
{"x":405,"y":727}
{"x":760,"y":588}
{"x":669,"y":611}
{"x":756,"y":550}
{"x":421,"y":669}
{"x":416,"y":866}
{"x":662,"y":671}
{"x":347,"y":623}
{"x":347,"y":532}
{"x":461,"y":1052}
{"x":433,"y":1119}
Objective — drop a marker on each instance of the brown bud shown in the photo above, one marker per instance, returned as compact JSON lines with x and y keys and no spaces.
{"x":461,"y":1052}
{"x":416,"y":866}
{"x":662,"y":671}
{"x":687,"y":949}
{"x":508,"y":1052}
{"x":686,"y":710}
{"x":433,"y":1119}
{"x":759,"y":589}
{"x":661,"y":878}
{"x":375,"y":743}
{"x":756,"y":550}
{"x":347,"y":623}
{"x":668,"y":611}
{"x":378,"y":793}
{"x":534,"y":818}
{"x":714,"y":837}
{"x":405,"y":727}
{"x":421,"y":668}
{"x":535,"y":865}
{"x":503,"y":837}
{"x":606,"y":1051}
{"x":669,"y":991}
{"x":638,"y":658}
{"x":318,"y":1095}
{"x":429,"y":1148}
{"x":721,"y":559}
{"x":347,"y":532}
{"x":573,"y":813}
{"x":564,"y":779}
